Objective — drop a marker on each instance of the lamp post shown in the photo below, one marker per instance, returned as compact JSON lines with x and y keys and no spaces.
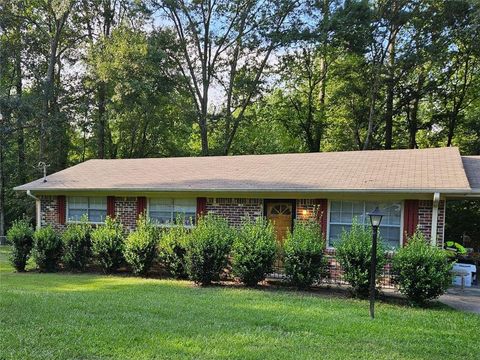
{"x":375,"y":219}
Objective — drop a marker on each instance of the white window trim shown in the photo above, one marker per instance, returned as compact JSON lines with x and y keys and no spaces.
{"x":327,"y":240}
{"x":171,"y":225}
{"x":68,"y":221}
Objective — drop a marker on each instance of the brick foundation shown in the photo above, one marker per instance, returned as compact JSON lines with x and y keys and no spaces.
{"x":235,"y":209}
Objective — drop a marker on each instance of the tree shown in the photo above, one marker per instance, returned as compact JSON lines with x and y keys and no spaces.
{"x":228,"y":44}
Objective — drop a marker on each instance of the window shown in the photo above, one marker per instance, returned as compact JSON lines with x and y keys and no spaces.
{"x":342,"y":214}
{"x":94,"y":207}
{"x":168,"y":211}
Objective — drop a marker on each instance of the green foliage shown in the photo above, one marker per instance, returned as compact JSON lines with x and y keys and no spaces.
{"x":172,"y":250}
{"x":463,"y":225}
{"x":421,"y":271}
{"x":208,"y":247}
{"x":20,"y":235}
{"x":304,"y":253}
{"x":77,"y":246}
{"x":253,"y":251}
{"x":108,"y":244}
{"x":47,"y":249}
{"x":141,"y":246}
{"x":354,"y":255}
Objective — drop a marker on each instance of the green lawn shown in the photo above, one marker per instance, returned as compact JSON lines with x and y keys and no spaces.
{"x":64,"y":316}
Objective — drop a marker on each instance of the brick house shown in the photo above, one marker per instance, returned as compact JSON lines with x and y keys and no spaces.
{"x":410,"y":186}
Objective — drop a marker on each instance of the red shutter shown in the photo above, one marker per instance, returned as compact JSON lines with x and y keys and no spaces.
{"x":141,"y":205}
{"x":410,"y":218}
{"x":111,"y":206}
{"x":322,"y":215}
{"x":201,"y":206}
{"x":62,"y":211}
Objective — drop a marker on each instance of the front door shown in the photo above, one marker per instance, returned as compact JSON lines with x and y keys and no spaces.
{"x":280,"y":213}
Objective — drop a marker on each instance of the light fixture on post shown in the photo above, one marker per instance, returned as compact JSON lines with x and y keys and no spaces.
{"x":375,"y":219}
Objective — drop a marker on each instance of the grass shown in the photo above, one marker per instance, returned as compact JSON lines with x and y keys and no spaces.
{"x":67,"y":316}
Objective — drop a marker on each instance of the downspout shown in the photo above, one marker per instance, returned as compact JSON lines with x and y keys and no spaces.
{"x":37,"y":209}
{"x":433,"y":235}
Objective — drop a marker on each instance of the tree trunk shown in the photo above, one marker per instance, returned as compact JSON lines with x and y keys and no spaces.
{"x":21,"y":178}
{"x":102,"y":121}
{"x":413,"y":118}
{"x":390,"y":81}
{"x":322,"y":112}
{"x":102,"y":124}
{"x":390,"y":96}
{"x":203,"y":130}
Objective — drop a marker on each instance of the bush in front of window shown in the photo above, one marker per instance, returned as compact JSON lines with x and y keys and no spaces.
{"x":108,"y":243}
{"x":172,"y":250}
{"x":208,"y":247}
{"x":20,"y":235}
{"x":304,"y":253}
{"x":253,"y":251}
{"x":354,"y":256}
{"x":47,"y":249}
{"x":421,"y":271}
{"x":141,"y":246}
{"x":77,"y":245}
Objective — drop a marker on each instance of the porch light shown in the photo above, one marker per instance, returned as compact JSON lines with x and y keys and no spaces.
{"x":375,"y":219}
{"x":304,"y":212}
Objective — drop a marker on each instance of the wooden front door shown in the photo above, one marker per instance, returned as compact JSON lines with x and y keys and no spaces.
{"x":280,"y":213}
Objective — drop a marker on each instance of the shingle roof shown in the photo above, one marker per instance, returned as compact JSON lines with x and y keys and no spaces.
{"x":426,"y":170}
{"x":472,"y":169}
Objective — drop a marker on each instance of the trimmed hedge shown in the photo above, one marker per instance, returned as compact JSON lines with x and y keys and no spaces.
{"x":172,"y":250}
{"x":304,"y":253}
{"x":421,"y":271}
{"x":354,"y":255}
{"x":47,"y":249}
{"x":141,"y":246}
{"x":77,"y":245}
{"x":20,"y":235}
{"x":253,"y":251}
{"x":208,"y":247}
{"x":108,"y":244}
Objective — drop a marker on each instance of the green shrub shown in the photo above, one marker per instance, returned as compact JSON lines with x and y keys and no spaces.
{"x":141,"y":246}
{"x":304,"y":253}
{"x":354,"y":256}
{"x":421,"y":271}
{"x":254,"y":251}
{"x":208,"y":247}
{"x":77,"y":246}
{"x":20,"y":235}
{"x":47,"y":249}
{"x":172,"y":250}
{"x":108,"y":243}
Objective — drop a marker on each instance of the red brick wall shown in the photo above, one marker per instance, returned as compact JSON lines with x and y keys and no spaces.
{"x":49,"y":212}
{"x":235,"y":209}
{"x":308,"y":205}
{"x":126,"y":212}
{"x":425,"y":219}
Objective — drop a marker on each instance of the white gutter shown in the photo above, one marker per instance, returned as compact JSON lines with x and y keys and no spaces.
{"x":37,"y":209}
{"x":433,"y":236}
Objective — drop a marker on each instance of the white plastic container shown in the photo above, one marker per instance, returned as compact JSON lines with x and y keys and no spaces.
{"x":468,"y":269}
